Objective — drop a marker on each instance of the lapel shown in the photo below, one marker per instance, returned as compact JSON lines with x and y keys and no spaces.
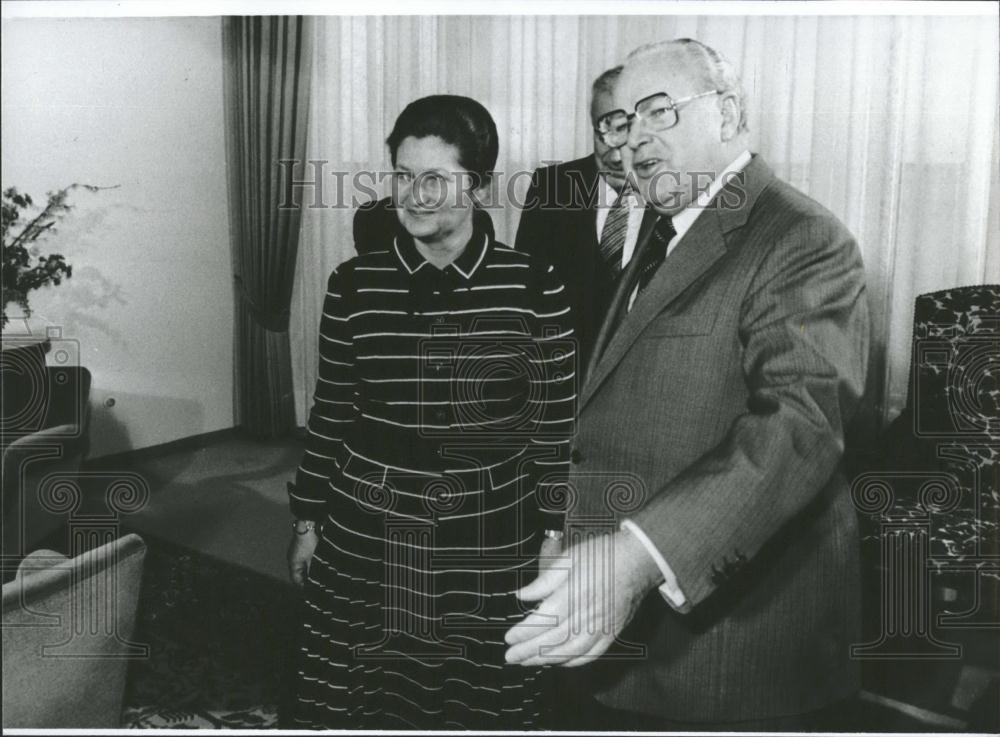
{"x":586,"y":205}
{"x":699,"y":248}
{"x":607,"y":328}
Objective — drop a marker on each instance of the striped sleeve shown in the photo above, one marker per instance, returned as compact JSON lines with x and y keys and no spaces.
{"x":556,"y":386}
{"x":333,"y":405}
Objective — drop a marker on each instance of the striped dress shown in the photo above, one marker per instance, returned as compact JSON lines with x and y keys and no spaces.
{"x":437,"y":440}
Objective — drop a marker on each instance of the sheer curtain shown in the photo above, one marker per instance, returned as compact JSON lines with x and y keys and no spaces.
{"x":891,"y":122}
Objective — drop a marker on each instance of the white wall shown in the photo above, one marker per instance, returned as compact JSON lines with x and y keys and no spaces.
{"x":137,"y":104}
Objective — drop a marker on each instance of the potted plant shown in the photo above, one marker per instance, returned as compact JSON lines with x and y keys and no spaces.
{"x":25,"y":268}
{"x":32,"y":391}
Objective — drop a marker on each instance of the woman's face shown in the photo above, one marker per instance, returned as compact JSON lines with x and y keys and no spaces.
{"x":432,"y":191}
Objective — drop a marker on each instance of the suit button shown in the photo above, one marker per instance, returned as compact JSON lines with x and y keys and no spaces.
{"x":576,"y":456}
{"x":718,"y":577}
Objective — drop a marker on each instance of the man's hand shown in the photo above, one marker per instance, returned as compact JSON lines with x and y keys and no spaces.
{"x":300,"y":552}
{"x":587,"y":597}
{"x":549,"y":553}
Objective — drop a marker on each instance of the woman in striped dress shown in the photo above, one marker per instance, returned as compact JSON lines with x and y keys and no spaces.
{"x":438,"y":435}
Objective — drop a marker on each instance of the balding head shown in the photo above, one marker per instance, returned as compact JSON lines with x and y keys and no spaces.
{"x":713,"y":69}
{"x":609,"y":160}
{"x":690,"y":123}
{"x":602,"y":92}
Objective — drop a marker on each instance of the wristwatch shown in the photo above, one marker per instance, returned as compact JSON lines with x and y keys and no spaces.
{"x":303,"y":526}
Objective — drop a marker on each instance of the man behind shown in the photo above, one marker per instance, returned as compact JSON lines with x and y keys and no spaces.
{"x":732,"y":357}
{"x":578,"y":218}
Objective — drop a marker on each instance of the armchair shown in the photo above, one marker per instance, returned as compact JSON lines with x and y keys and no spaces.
{"x":930,"y":505}
{"x":67,"y":625}
{"x":45,"y":432}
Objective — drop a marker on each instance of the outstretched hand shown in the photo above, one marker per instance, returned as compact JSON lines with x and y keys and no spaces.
{"x":587,"y":597}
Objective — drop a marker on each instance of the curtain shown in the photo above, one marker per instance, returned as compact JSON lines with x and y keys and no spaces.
{"x":891,"y":122}
{"x":266,"y":87}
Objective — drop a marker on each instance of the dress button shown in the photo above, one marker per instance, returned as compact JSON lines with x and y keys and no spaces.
{"x":575,"y":456}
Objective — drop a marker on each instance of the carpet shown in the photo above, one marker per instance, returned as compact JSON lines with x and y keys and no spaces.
{"x":219,"y":638}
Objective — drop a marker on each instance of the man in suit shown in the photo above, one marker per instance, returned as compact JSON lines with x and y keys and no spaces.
{"x":710,"y":575}
{"x":578,"y":217}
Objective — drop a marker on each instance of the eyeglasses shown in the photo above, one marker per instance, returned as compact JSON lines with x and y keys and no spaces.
{"x":660,"y":111}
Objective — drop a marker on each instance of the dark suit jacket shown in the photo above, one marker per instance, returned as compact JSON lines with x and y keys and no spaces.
{"x":720,"y":401}
{"x":559,"y":224}
{"x":376,"y":224}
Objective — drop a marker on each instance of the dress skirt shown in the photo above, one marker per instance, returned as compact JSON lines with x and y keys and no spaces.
{"x":410,"y":593}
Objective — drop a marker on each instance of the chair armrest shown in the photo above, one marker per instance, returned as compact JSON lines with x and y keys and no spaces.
{"x":38,"y":560}
{"x":70,"y":437}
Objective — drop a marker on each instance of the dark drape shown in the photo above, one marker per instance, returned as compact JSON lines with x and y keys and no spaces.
{"x":267,"y":70}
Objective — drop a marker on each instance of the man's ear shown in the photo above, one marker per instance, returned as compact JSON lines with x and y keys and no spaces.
{"x":730,"y":108}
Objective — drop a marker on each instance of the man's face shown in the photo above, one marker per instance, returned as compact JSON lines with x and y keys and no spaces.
{"x":609,"y":160}
{"x":672,"y":165}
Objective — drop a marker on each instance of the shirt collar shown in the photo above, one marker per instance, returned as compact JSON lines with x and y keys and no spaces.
{"x":608,"y":193}
{"x":467,"y":263}
{"x":683,"y":220}
{"x":408,"y":254}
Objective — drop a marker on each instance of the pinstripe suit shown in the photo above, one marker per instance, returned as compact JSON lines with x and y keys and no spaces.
{"x":721,"y":401}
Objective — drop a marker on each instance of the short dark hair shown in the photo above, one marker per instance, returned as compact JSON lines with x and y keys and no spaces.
{"x":460,"y":121}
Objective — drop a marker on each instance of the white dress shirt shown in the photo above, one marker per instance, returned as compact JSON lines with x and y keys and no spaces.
{"x":682,"y":222}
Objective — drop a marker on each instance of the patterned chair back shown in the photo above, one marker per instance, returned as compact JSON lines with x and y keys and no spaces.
{"x":954,"y":390}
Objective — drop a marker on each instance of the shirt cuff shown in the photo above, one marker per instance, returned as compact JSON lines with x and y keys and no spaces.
{"x":669,"y":589}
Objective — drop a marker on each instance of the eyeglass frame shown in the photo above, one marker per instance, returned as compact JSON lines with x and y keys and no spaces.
{"x":673,"y":104}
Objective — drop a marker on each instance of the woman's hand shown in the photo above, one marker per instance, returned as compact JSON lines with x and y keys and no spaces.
{"x":300,"y":552}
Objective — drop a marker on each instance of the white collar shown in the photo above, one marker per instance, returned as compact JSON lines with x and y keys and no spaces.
{"x":609,"y":195}
{"x":683,"y":220}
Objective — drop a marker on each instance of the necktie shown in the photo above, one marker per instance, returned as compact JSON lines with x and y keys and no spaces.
{"x":656,"y":251}
{"x":615,"y":229}
{"x":650,"y":255}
